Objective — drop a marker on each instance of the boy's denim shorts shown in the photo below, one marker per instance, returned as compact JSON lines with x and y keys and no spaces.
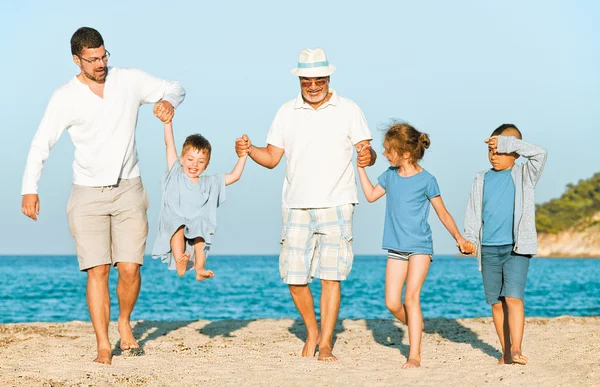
{"x":504,"y":273}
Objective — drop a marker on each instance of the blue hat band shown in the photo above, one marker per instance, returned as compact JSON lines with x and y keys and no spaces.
{"x":313,"y":65}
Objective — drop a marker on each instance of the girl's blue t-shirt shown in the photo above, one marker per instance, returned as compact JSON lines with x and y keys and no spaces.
{"x":406,"y":211}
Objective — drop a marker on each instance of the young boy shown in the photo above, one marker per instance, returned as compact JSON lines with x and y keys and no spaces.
{"x":500,"y":221}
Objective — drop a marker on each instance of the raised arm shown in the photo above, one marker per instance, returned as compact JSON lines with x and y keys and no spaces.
{"x":448,"y":222}
{"x":371,"y":193}
{"x":171,"y":149}
{"x":536,"y":155}
{"x":237,"y":171}
{"x":167,"y":95}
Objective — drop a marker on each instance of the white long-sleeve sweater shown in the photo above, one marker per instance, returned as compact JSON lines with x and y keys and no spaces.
{"x":101,"y":129}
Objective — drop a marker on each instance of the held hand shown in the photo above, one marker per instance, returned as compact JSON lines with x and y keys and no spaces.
{"x":466,"y":247}
{"x":365,"y":156}
{"x":242,"y":146}
{"x":164,"y":111}
{"x":31,"y":205}
{"x":492,"y":143}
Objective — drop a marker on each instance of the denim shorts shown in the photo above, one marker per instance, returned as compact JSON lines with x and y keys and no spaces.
{"x":404,"y":256}
{"x":504,"y":273}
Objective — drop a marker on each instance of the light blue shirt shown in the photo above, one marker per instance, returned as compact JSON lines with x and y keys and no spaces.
{"x":498,"y":208}
{"x":188,"y":204}
{"x":406,"y":211}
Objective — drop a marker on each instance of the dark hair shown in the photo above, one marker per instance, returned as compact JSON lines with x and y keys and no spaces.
{"x":402,"y":137}
{"x":197,"y":142}
{"x":499,"y":130}
{"x":85,"y":37}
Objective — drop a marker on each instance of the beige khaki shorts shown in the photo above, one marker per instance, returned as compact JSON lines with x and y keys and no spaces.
{"x":316,"y":243}
{"x":109,"y":224}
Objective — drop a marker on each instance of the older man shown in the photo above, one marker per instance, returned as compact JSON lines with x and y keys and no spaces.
{"x":108,"y":203}
{"x":317,"y":132}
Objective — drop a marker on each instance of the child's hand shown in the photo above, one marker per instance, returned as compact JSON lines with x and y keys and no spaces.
{"x":164,"y":111}
{"x":242,"y":146}
{"x":363,"y":159}
{"x":492,"y":143}
{"x":465,"y":246}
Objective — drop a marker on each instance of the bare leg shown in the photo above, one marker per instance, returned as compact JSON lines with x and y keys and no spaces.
{"x":330,"y":306}
{"x":128,"y":289}
{"x":516,"y":324}
{"x":417,"y":272}
{"x":395,"y":275}
{"x":500,"y":317}
{"x":98,"y":299}
{"x":304,"y":302}
{"x":178,"y":251}
{"x":201,"y":272}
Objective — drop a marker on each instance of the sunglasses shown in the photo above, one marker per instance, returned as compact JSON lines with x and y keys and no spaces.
{"x":309,"y":82}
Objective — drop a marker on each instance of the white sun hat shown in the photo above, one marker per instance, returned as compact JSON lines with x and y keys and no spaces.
{"x":313,"y":63}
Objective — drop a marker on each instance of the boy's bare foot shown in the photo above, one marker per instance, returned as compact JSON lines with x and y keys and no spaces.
{"x":104,"y":356}
{"x":202,"y":274}
{"x":325,"y":354}
{"x":127,"y":340}
{"x":310,"y":345}
{"x":518,"y":358}
{"x":411,"y":362}
{"x":181,"y":264}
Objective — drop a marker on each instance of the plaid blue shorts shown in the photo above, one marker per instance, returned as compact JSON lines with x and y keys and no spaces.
{"x":316,"y":242}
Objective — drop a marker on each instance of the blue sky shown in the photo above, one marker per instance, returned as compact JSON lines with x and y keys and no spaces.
{"x":455,"y":70}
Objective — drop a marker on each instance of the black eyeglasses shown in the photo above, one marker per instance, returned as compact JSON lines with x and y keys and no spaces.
{"x":94,"y":61}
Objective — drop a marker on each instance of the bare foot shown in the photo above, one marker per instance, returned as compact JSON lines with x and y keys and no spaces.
{"x":325,"y":354}
{"x":127,"y":340}
{"x":181,"y":264}
{"x":518,"y":358}
{"x":506,"y":359}
{"x":104,"y":356}
{"x":411,"y":362}
{"x":202,"y":274}
{"x":310,"y":345}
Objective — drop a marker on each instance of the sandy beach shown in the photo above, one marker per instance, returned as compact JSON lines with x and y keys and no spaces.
{"x":562,"y":351}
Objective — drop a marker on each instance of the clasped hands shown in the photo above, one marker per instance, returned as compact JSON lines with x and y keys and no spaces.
{"x":164,"y":111}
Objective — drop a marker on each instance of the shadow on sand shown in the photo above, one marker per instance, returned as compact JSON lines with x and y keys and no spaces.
{"x":387,"y":333}
{"x":147,"y":331}
{"x":298,"y":329}
{"x":223,"y":327}
{"x":452,"y":330}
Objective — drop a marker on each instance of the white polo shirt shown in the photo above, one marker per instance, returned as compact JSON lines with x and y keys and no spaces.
{"x":101,"y":129}
{"x":318,"y":147}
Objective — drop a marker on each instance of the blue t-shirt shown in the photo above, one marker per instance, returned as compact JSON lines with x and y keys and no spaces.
{"x":498,"y":208}
{"x":406,"y":211}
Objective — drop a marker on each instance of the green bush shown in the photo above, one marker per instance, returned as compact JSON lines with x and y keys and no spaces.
{"x":578,"y":203}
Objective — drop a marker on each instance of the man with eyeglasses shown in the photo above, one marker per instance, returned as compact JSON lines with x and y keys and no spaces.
{"x":108,"y":203}
{"x":317,"y":132}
